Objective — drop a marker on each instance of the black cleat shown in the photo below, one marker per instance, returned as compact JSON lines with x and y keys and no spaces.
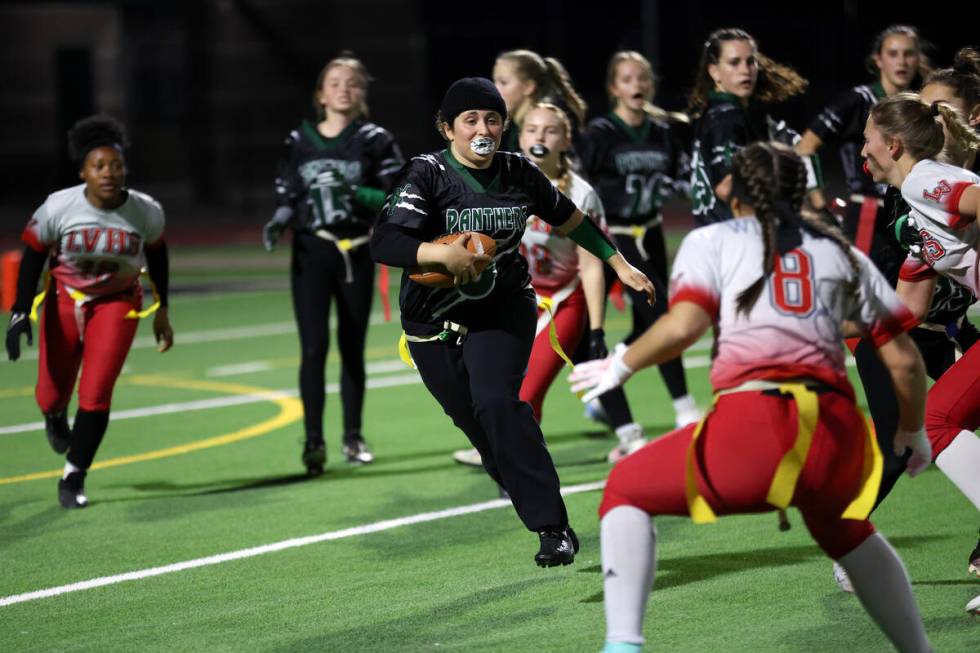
{"x":558,"y":547}
{"x":356,"y":449}
{"x":59,"y":435}
{"x":314,"y":457}
{"x":71,"y":491}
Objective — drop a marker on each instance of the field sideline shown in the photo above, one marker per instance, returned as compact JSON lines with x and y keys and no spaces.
{"x":199,"y":481}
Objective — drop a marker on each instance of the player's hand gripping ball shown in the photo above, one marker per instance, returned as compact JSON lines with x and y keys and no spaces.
{"x":438,"y":276}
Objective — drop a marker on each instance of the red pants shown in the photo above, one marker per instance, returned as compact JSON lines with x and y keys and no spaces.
{"x":98,"y":345}
{"x":738,"y":450}
{"x":544,"y":364}
{"x":953,"y":403}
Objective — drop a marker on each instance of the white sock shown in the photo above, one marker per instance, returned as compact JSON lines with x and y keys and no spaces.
{"x":629,"y":561}
{"x":684,"y":404}
{"x":69,"y":468}
{"x":960,"y":462}
{"x":882,"y":585}
{"x":629,"y":432}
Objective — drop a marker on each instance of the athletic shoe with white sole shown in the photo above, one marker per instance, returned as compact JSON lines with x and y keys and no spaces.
{"x":595,"y":412}
{"x":973,"y":607}
{"x":468,"y":457}
{"x":356,"y":449}
{"x":630,"y":439}
{"x":71,"y":491}
{"x":842,"y":579}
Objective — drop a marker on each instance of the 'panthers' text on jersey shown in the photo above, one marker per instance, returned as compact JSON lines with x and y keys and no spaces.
{"x":634,"y":169}
{"x":551,"y":257}
{"x":842,"y":122}
{"x":97,"y":252}
{"x":436,"y":195}
{"x":949,"y":240}
{"x":794,"y":329}
{"x":364,"y":154}
{"x":724,"y":128}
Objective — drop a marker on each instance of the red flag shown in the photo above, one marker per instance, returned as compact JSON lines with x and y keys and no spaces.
{"x":383,"y":289}
{"x":616,"y":295}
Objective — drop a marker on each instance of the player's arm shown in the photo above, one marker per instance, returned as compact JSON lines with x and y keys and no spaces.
{"x":917,"y":295}
{"x":588,"y":236}
{"x":31,"y":266}
{"x":594,"y":287}
{"x":904,"y":363}
{"x":158,"y":268}
{"x":455,"y":257}
{"x":669,"y":336}
{"x":807,"y":146}
{"x":968,"y":204}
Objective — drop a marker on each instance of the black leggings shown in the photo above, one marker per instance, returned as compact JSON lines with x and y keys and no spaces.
{"x":318,"y":276}
{"x":938,"y":352}
{"x":478,"y":385}
{"x":644,"y":315}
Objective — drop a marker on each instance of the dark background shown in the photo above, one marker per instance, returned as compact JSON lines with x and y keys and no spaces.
{"x":209,"y":88}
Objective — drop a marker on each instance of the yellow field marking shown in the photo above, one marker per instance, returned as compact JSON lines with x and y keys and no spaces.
{"x":290,"y":410}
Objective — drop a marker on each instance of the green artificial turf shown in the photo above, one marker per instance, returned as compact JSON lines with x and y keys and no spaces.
{"x":464,"y":583}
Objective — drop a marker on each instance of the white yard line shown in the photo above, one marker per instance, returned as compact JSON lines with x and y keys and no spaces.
{"x":283,"y":545}
{"x":222,"y":402}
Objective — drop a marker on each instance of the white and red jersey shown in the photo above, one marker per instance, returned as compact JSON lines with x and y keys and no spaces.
{"x":98,"y":252}
{"x":949,"y":240}
{"x":794,"y":329}
{"x":553,"y":258}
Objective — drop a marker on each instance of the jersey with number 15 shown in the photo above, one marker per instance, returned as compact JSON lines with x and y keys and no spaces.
{"x":794,"y":329}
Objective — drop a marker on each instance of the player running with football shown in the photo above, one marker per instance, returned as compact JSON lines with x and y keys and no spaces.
{"x":733,"y":80}
{"x":330,"y":185}
{"x":96,"y":237}
{"x":471,"y":342}
{"x":785,"y":429}
{"x":903,"y":138}
{"x":635,"y":160}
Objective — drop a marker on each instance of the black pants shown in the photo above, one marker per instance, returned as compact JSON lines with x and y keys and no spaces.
{"x":644,"y":315}
{"x":478,"y":384}
{"x":318,"y":277}
{"x":938,"y":352}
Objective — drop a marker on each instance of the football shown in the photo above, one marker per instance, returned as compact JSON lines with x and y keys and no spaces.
{"x":436,"y":276}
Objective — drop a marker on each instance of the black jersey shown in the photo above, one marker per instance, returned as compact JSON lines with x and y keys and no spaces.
{"x":633,"y":169}
{"x":364,"y":154}
{"x":725,"y":127}
{"x":842,"y":122}
{"x":436,"y":195}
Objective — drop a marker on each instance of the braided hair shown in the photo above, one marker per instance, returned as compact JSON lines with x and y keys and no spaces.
{"x":95,"y":131}
{"x":907,"y":117}
{"x":772,"y":178}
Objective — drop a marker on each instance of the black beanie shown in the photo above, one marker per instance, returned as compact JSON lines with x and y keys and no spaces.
{"x":471,"y":93}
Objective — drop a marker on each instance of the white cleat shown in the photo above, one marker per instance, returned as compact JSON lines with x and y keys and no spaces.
{"x":469,"y":457}
{"x":843,"y":580}
{"x":973,"y":607}
{"x":630,"y":440}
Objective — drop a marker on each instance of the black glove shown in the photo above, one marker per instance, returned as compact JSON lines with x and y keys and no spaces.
{"x":19,"y":324}
{"x":597,"y":344}
{"x":908,"y":236}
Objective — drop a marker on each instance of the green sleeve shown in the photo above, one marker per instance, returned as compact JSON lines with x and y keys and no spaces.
{"x":371,"y":198}
{"x":592,"y":240}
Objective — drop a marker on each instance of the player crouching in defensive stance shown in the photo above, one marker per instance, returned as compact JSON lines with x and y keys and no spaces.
{"x":471,"y":341}
{"x":784,"y":429}
{"x":96,"y":235}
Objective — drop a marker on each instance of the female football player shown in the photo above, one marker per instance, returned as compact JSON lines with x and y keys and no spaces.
{"x":568,"y":280}
{"x":330,"y":186}
{"x":784,"y":429}
{"x":525,"y":78}
{"x":635,"y":160}
{"x":896,"y":61}
{"x":471,"y":342}
{"x":903,"y":137}
{"x":96,"y":237}
{"x":733,"y":79}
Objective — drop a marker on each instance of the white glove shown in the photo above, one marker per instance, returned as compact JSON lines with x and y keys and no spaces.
{"x":921,"y":449}
{"x":602,"y":375}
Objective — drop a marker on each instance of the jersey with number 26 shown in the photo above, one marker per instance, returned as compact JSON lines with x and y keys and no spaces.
{"x":794,"y":329}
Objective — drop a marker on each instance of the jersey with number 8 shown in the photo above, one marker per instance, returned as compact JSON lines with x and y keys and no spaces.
{"x":795,"y":326}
